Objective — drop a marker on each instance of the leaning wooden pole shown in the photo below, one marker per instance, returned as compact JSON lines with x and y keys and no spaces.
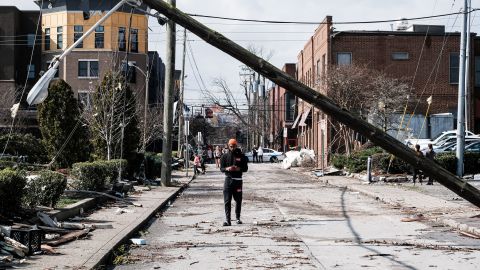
{"x":377,"y":136}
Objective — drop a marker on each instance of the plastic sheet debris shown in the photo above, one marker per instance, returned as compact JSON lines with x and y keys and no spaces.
{"x":302,"y":158}
{"x":138,"y":241}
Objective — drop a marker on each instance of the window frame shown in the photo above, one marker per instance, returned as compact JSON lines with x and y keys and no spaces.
{"x":80,"y":97}
{"x":59,"y":37}
{"x":100,"y":35}
{"x":397,"y":56}
{"x":88,"y":68}
{"x":343,"y":53}
{"x":47,"y":39}
{"x":31,"y":72}
{"x":122,"y":39}
{"x":77,"y":34}
{"x":134,"y":40}
{"x":456,"y":70}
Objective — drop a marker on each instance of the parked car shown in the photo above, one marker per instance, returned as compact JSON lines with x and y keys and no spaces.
{"x":453,"y":140}
{"x":269,"y":155}
{"x":469,"y":147}
{"x":442,"y":136}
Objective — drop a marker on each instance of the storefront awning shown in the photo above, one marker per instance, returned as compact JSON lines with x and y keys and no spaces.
{"x":296,"y":121}
{"x":304,"y":118}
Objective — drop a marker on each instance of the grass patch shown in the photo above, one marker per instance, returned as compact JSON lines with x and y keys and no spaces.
{"x":66,"y":201}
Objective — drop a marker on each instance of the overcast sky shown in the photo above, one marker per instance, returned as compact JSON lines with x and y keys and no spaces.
{"x":285,"y":41}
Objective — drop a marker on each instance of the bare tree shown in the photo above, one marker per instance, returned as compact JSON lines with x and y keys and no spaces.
{"x":388,"y":100}
{"x":349,"y":86}
{"x":367,"y":92}
{"x":112,"y":112}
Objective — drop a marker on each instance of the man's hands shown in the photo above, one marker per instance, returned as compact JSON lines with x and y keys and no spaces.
{"x":232,"y":169}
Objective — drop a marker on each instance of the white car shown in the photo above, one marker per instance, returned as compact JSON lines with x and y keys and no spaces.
{"x":269,"y":155}
{"x":435,"y":141}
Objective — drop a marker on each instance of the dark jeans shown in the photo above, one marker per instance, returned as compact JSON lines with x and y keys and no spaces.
{"x":255,"y":158}
{"x":417,"y":172}
{"x":232,"y":188}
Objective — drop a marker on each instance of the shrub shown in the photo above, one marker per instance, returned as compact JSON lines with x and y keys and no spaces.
{"x":381,"y":162}
{"x":24,"y":145}
{"x":12,"y":185}
{"x":357,"y":162}
{"x":339,"y":161}
{"x":97,"y":175}
{"x":153,"y":165}
{"x":89,"y":176}
{"x":112,"y":169}
{"x":46,"y":189}
{"x":448,"y":161}
{"x":4,"y":164}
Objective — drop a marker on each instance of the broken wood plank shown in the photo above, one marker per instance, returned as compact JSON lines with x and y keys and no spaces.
{"x":69,"y":237}
{"x":104,"y":194}
{"x":471,"y":235}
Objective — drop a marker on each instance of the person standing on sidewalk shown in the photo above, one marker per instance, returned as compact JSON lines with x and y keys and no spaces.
{"x":254,"y":154}
{"x":430,"y":154}
{"x":416,"y":171}
{"x":260,"y":154}
{"x":218,"y":155}
{"x":233,"y":164}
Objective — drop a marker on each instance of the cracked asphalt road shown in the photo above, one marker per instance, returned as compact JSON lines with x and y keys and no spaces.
{"x":294,"y":222}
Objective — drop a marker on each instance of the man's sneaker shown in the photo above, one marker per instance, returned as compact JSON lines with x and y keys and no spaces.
{"x":239,"y":221}
{"x":226,"y":223}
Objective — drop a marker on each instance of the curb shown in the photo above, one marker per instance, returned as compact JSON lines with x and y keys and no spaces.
{"x":443,"y":221}
{"x":98,"y":262}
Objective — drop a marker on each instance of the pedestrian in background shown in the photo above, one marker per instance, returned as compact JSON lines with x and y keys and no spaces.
{"x":233,"y":164}
{"x":218,"y":154}
{"x":430,"y":154}
{"x":210,"y":155}
{"x":196,"y":164}
{"x":254,"y":154}
{"x":260,"y":154}
{"x":417,"y":172}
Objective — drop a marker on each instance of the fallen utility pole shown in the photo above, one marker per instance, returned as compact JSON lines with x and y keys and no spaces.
{"x":377,"y":136}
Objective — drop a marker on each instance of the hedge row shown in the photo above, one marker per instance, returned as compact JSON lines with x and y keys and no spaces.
{"x":95,"y":176}
{"x":46,"y":189}
{"x":15,"y":189}
{"x":383,"y":162}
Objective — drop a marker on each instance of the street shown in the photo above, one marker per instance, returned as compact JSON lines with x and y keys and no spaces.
{"x":292,"y":221}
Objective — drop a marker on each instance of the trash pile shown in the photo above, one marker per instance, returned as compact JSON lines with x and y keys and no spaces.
{"x":302,"y":158}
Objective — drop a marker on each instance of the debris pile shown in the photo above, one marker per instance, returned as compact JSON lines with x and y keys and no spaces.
{"x":302,"y":158}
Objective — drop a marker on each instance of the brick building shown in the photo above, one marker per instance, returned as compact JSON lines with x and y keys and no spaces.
{"x":426,"y":55}
{"x":282,"y":104}
{"x":18,"y":32}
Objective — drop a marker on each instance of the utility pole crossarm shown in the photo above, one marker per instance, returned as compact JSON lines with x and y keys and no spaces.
{"x":320,"y":101}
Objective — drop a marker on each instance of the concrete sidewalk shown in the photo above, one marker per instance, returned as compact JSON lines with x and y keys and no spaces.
{"x":436,"y":203}
{"x":94,"y":251}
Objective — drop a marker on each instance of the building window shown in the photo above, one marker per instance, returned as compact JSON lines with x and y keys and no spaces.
{"x":134,"y":40}
{"x":289,"y":106}
{"x":88,"y":68}
{"x":31,"y":72}
{"x":30,"y":40}
{"x":48,"y":65}
{"x":99,"y":37}
{"x":77,"y":34}
{"x":85,"y":99}
{"x":344,"y":58}
{"x":477,"y":70}
{"x":121,"y":39}
{"x":47,"y":39}
{"x":59,"y":37}
{"x":454,"y":68}
{"x":131,"y":73}
{"x":400,"y":56}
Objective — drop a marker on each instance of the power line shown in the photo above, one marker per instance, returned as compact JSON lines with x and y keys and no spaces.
{"x":316,"y":23}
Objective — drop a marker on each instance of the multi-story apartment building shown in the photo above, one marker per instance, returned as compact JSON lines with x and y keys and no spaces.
{"x":20,"y":61}
{"x":282,"y":104}
{"x":414,"y":52}
{"x":122,"y":37}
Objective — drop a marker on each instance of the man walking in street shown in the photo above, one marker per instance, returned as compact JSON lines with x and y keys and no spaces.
{"x":233,"y":164}
{"x":430,"y":154}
